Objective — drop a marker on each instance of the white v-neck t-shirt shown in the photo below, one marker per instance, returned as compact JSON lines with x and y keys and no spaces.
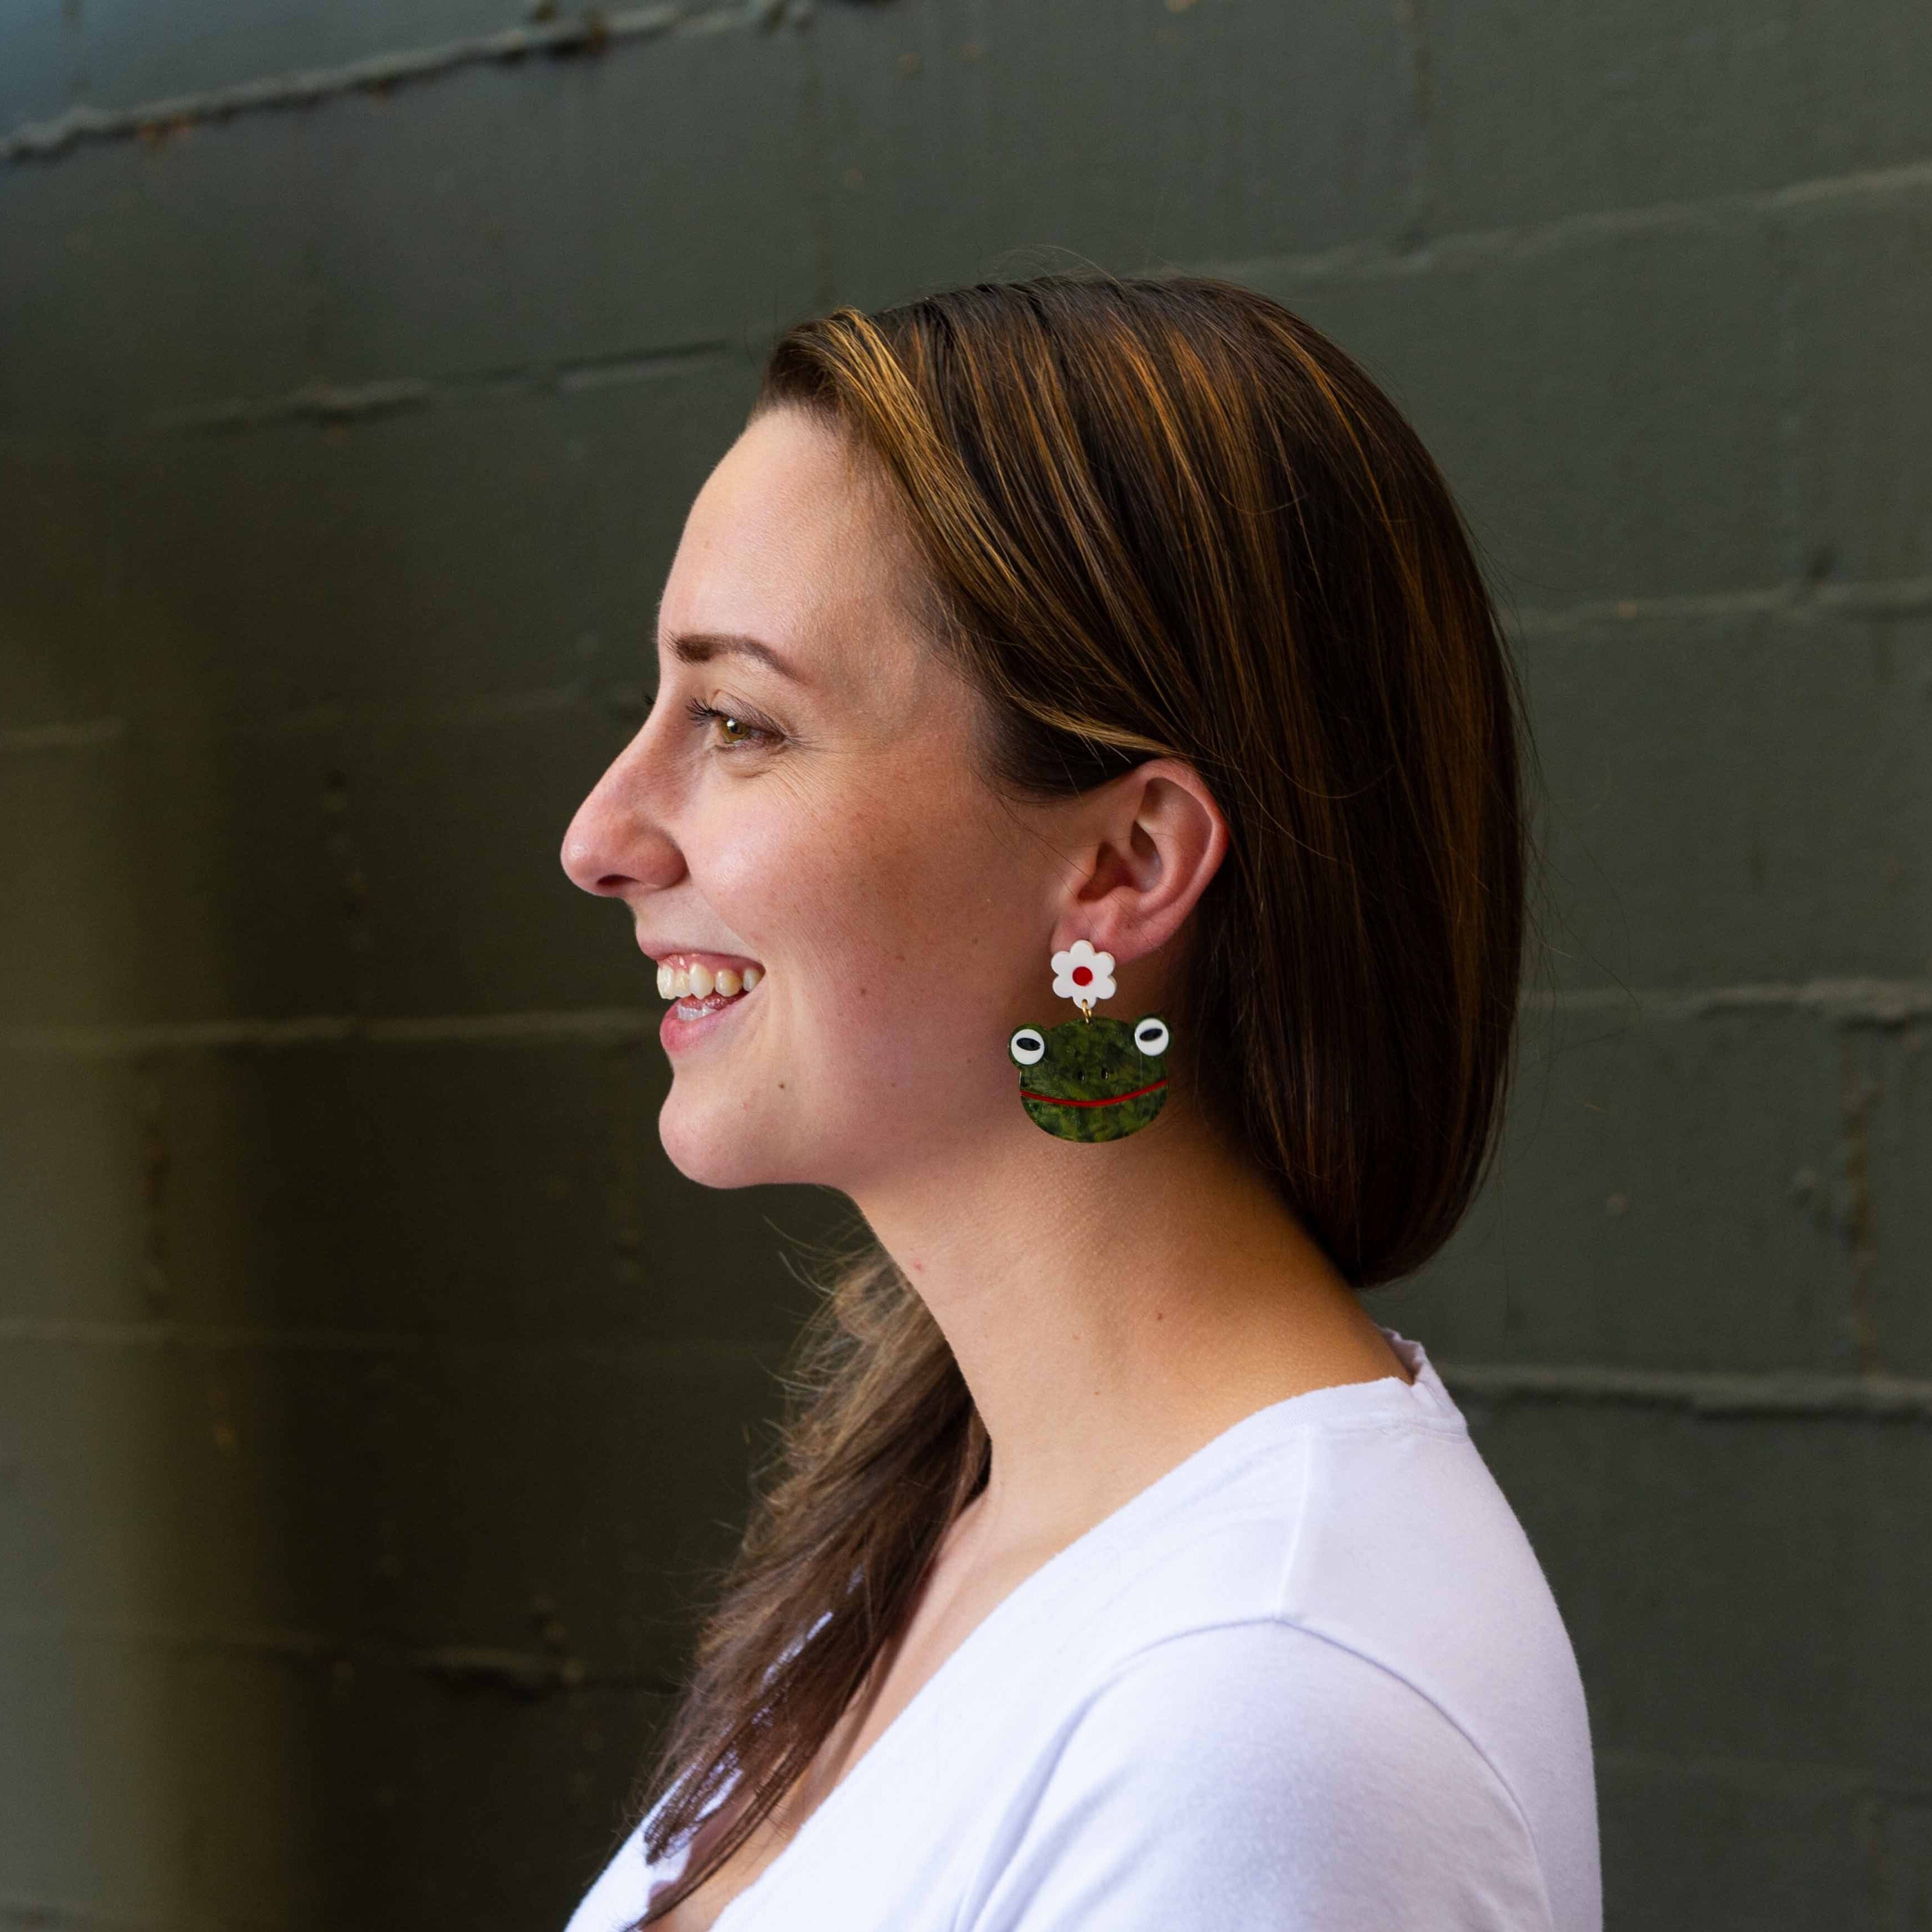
{"x":1311,"y":1680}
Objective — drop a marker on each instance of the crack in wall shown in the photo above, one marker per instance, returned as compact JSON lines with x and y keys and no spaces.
{"x":353,"y":883}
{"x":155,"y":1163}
{"x":1858,"y":1093}
{"x":1412,"y":31}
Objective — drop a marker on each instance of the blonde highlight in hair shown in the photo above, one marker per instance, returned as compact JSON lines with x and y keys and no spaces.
{"x":1156,"y":517}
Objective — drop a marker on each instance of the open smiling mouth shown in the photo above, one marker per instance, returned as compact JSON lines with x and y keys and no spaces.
{"x":699,"y":986}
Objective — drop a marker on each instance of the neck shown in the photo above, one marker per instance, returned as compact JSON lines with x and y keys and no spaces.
{"x":1114,"y":1308}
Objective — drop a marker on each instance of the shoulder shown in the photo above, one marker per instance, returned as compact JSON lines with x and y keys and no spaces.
{"x":1256,"y":1774}
{"x":1257,"y":1688}
{"x":1334,"y":1691}
{"x":1370,"y":1519}
{"x":1274,"y":1720}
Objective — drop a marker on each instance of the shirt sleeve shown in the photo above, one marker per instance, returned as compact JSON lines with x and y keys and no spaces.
{"x":1258,"y":1778}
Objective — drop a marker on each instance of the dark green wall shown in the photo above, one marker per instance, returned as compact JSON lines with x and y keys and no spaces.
{"x":372,"y":1394}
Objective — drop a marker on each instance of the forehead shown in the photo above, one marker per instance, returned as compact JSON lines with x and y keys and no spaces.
{"x":793,"y":539}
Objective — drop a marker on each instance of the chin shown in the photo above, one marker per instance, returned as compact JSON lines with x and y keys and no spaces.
{"x":721,"y":1145}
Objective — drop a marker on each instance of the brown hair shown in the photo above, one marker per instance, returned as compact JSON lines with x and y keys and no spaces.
{"x":1159,"y":518}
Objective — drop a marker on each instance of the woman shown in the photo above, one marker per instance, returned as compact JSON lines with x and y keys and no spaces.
{"x":1041,"y":648}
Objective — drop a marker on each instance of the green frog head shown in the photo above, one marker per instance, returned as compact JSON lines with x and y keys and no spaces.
{"x":1092,"y":1079}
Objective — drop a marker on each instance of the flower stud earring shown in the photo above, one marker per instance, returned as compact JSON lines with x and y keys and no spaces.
{"x":1089,"y":1079}
{"x":1083,"y":976}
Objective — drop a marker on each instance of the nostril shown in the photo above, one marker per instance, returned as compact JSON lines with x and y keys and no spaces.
{"x":588,"y":867}
{"x":615,"y":858}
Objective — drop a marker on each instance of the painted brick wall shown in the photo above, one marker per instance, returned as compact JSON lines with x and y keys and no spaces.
{"x":373,"y":1395}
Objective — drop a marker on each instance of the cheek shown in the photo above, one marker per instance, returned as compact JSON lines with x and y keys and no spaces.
{"x":902,"y":915}
{"x":864,"y":915}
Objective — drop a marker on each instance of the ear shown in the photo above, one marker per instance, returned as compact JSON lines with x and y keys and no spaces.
{"x":1150,"y":841}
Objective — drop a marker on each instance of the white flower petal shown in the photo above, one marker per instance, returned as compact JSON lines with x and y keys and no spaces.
{"x":1098,"y":970}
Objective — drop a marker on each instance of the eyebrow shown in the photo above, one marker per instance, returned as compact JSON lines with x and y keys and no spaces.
{"x":701,"y":647}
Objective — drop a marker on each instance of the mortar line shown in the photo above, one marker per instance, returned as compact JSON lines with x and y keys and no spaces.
{"x":1798,"y":602}
{"x":1797,"y":598}
{"x":591,"y":32}
{"x":21,"y":1914}
{"x":1765,"y":1772}
{"x":598,"y":1024}
{"x":1760,"y":1396}
{"x":509,"y":1666}
{"x":335,"y":405}
{"x":1378,"y":259}
{"x":1843,"y":1001}
{"x":595,"y":32}
{"x":85,"y":734}
{"x":171,"y":1335}
{"x":609,"y":700}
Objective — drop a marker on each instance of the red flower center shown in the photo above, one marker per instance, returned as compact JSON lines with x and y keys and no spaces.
{"x":1083,"y":976}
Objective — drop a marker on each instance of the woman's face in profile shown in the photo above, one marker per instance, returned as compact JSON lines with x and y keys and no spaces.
{"x":802,"y":808}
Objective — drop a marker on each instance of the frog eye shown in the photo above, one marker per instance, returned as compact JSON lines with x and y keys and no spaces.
{"x":1028,"y":1046}
{"x":1150,"y":1035}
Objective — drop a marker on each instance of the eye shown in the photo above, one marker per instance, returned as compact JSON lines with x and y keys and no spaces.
{"x":1028,"y":1046}
{"x":1150,"y":1035}
{"x":731,"y":728}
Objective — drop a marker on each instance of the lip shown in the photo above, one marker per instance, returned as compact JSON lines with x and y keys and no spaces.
{"x":687,"y":1022}
{"x":679,"y":1031}
{"x":666,"y":954}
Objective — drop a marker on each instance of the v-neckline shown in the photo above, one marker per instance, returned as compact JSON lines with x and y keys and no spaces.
{"x":1251,"y":1435}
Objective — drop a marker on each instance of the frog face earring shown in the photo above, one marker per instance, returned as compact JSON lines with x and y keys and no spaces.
{"x":1089,"y":1079}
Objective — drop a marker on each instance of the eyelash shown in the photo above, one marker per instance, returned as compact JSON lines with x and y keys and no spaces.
{"x":701,"y":713}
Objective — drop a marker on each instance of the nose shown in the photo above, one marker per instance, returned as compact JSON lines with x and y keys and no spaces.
{"x":616,"y":843}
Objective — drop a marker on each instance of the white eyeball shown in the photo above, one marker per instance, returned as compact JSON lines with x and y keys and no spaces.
{"x":1150,"y":1035}
{"x":1028,"y":1046}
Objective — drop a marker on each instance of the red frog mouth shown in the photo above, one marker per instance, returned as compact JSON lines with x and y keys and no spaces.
{"x":1105,"y":1100}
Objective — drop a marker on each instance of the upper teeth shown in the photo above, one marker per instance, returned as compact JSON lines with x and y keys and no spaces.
{"x":698,"y":982}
